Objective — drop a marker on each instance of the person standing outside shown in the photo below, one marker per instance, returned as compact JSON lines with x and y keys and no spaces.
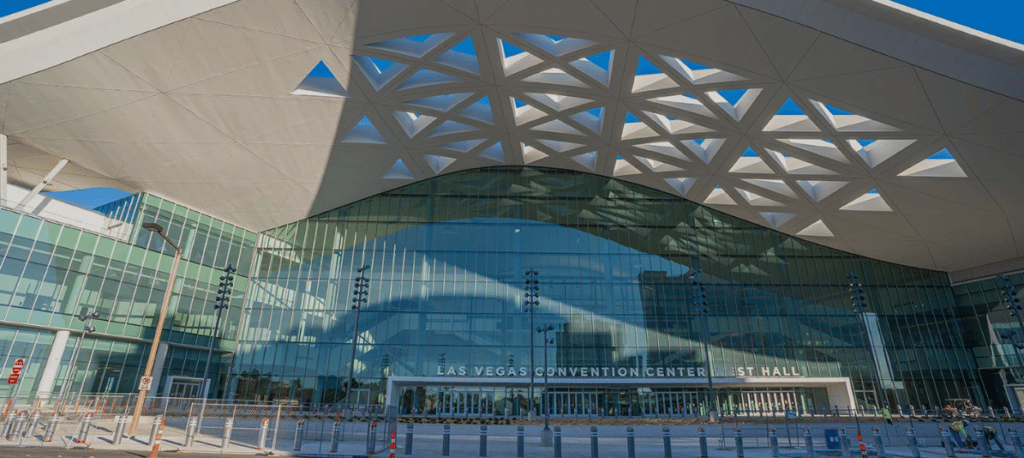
{"x":991,"y":435}
{"x":959,"y":430}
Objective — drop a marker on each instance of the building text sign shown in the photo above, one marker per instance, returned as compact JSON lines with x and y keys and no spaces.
{"x":16,"y":372}
{"x":616,"y":372}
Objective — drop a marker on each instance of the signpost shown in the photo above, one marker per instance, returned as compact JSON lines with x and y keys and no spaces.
{"x":145,"y":383}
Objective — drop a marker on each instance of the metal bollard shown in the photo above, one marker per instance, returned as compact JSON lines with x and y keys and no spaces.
{"x":773,"y":441}
{"x":122,"y":420}
{"x":879,"y":446}
{"x":483,"y":440}
{"x":667,"y":438}
{"x":408,"y":439}
{"x":335,"y":432}
{"x":446,"y":440}
{"x":190,"y":431}
{"x":297,"y":445}
{"x":372,"y":444}
{"x":520,"y":445}
{"x":229,"y":425}
{"x":156,"y":426}
{"x":264,"y":427}
{"x":948,"y":442}
{"x":31,"y":430}
{"x":986,"y":449}
{"x":51,"y":428}
{"x":1016,"y":441}
{"x":16,"y":428}
{"x":83,"y":432}
{"x":739,"y":443}
{"x":809,"y":442}
{"x":844,"y":443}
{"x":630,"y":442}
{"x":155,"y":451}
{"x":593,"y":442}
{"x":558,"y":442}
{"x":915,"y":448}
{"x":703,"y":443}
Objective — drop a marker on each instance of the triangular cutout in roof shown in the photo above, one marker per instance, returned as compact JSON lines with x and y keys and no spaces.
{"x":378,"y":71}
{"x":819,"y":190}
{"x":718,"y":196}
{"x":634,"y":128}
{"x":412,"y":123}
{"x":462,"y":56}
{"x":524,"y":112}
{"x":649,"y":77}
{"x":495,"y":152}
{"x":623,"y":167}
{"x":685,"y":102}
{"x":823,"y":148}
{"x":514,"y":59}
{"x":735,"y":102}
{"x":871,"y":201}
{"x":591,"y":119}
{"x":844,"y":121}
{"x":777,"y":186}
{"x":438,"y":163}
{"x":597,"y":66}
{"x":558,"y":145}
{"x":364,"y":132}
{"x":399,"y":171}
{"x":451,"y":127}
{"x":588,"y":160}
{"x":414,"y":46}
{"x":676,"y":126}
{"x":443,"y":102}
{"x":663,"y":148}
{"x":795,"y":166}
{"x":558,"y":127}
{"x":555,"y":76}
{"x":463,"y":146}
{"x":558,"y":102}
{"x":698,"y":73}
{"x":777,"y":219}
{"x":790,"y":118}
{"x":756,"y":199}
{"x":556,"y":45}
{"x":656,"y":165}
{"x":320,"y":82}
{"x":704,"y":148}
{"x":681,"y":184}
{"x":480,"y":111}
{"x":424,"y":77}
{"x":941,"y":164}
{"x":874,"y":152}
{"x":751,"y":162}
{"x":531,"y":154}
{"x":816,"y":229}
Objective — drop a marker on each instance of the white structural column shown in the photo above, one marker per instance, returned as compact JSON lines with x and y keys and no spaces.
{"x":42,"y":184}
{"x":46,"y":380}
{"x":158,"y":369}
{"x":3,"y":169}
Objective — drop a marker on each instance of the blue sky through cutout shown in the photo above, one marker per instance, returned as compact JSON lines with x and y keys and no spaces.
{"x":630,"y":118}
{"x":942,"y":154}
{"x":864,"y":143}
{"x":695,"y":65}
{"x":465,"y":47}
{"x":732,"y":95}
{"x":365,"y":122}
{"x":381,"y":64}
{"x":419,"y":38}
{"x":556,"y":38}
{"x":749,"y":153}
{"x":603,"y":60}
{"x":790,"y":108}
{"x":873,"y":191}
{"x":485,"y":101}
{"x":510,"y":49}
{"x":597,"y":112}
{"x":89,"y":198}
{"x":645,"y":67}
{"x":320,"y":71}
{"x":9,"y":7}
{"x":518,"y":103}
{"x":836,"y":111}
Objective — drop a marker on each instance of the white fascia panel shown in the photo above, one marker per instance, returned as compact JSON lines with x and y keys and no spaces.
{"x":79,"y":36}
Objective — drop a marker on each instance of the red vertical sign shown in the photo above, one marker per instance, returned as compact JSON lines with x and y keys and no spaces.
{"x":15,"y":372}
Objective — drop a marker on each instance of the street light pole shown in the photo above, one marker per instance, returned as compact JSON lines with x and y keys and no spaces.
{"x":221,"y":302}
{"x":359,"y":298}
{"x":532,"y":302}
{"x":87,"y":318}
{"x":858,"y":299}
{"x":158,"y":230}
{"x":545,"y":434}
{"x":700,"y":298}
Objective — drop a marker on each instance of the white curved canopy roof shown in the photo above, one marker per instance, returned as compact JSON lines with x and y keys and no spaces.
{"x":849,"y":123}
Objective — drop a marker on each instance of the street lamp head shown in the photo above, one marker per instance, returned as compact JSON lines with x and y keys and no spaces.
{"x":363,"y":269}
{"x":153,"y":227}
{"x":96,"y":314}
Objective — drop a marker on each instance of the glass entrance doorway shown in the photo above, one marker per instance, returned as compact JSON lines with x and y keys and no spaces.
{"x":459,"y":403}
{"x":672,"y":404}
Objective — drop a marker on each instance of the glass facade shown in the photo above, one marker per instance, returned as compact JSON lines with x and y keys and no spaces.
{"x":50,"y":273}
{"x":614,"y":259}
